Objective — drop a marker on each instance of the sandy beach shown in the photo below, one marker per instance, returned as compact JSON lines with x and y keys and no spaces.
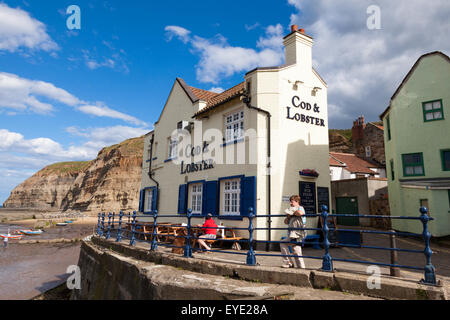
{"x":28,"y":270}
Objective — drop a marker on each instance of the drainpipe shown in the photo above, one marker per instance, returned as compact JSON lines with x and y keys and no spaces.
{"x":246,"y":99}
{"x":150,"y":173}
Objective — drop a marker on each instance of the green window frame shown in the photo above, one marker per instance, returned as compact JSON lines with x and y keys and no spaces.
{"x":392,"y":170}
{"x":445,"y":157}
{"x":433,"y":110}
{"x":388,"y":125}
{"x":413,"y":165}
{"x":448,"y":198}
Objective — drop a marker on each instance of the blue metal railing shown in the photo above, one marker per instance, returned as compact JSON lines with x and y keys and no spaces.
{"x":327,"y":260}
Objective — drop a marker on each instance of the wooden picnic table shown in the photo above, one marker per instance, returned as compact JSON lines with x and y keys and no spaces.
{"x":168,"y":232}
{"x":229,"y":234}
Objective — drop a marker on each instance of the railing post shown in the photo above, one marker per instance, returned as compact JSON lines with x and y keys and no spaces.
{"x":430,"y":275}
{"x":327,"y":263}
{"x":98,"y":225}
{"x":133,"y":239}
{"x":251,"y":258}
{"x":154,"y":245}
{"x":395,"y":272}
{"x":119,"y":232}
{"x":188,"y":248}
{"x":108,"y":233}
{"x":112,"y":222}
{"x":103,"y":224}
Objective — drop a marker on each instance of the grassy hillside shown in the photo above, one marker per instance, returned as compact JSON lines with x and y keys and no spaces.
{"x":346,"y":133}
{"x":130,"y":147}
{"x":67,"y":167}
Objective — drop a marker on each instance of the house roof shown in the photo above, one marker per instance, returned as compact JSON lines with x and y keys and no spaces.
{"x":377,"y":125}
{"x":335,"y":162}
{"x":203,"y":94}
{"x":352,"y":163}
{"x":212,"y":99}
{"x":409,"y":75}
{"x":218,"y":99}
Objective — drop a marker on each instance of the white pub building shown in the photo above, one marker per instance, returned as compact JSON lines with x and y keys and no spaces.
{"x":253,"y":145}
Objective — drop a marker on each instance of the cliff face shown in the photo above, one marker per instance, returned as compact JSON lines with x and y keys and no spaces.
{"x":340,"y":141}
{"x":111,"y":182}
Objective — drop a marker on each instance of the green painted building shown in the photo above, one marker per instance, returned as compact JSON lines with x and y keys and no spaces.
{"x":417,"y":143}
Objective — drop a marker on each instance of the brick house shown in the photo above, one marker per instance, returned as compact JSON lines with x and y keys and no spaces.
{"x":368,"y":141}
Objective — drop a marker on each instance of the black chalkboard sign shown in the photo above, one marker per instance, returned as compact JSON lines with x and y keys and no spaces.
{"x":308,"y":197}
{"x":332,"y":234}
{"x":323,"y":198}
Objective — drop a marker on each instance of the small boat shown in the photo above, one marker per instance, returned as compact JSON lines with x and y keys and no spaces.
{"x":31,"y":233}
{"x":61,"y":224}
{"x":68,"y":221}
{"x":21,"y":231}
{"x":11,"y":237}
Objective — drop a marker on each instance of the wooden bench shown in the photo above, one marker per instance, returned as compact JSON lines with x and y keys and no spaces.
{"x":312,"y":239}
{"x":229,"y":235}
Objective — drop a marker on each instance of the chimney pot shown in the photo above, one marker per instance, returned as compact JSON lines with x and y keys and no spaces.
{"x":302,"y":31}
{"x":294,"y":28}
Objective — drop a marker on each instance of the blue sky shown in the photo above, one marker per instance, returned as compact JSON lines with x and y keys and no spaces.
{"x":65,"y":94}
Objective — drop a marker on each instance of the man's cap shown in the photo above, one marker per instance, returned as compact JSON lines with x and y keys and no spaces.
{"x":209,"y":215}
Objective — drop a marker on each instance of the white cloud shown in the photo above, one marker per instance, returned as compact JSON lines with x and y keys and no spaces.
{"x":216,"y":89}
{"x":48,"y":149}
{"x":101,"y":137}
{"x":18,"y":29}
{"x":218,"y":59}
{"x":116,"y":61}
{"x":363,"y":67}
{"x":24,"y":94}
{"x":273,"y":38}
{"x":13,"y":141}
{"x":19,"y":93}
{"x":103,"y":111}
{"x":251,"y":27}
{"x":181,"y":33}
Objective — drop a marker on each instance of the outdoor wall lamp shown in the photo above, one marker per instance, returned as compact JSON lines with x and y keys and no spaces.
{"x":315,"y":90}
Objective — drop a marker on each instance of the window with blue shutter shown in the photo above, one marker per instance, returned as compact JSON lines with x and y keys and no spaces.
{"x":182,"y":199}
{"x":148,"y":200}
{"x":210,"y":198}
{"x":141,"y":201}
{"x":154,"y":199}
{"x":248,"y":195}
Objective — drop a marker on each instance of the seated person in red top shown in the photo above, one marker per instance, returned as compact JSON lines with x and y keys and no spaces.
{"x":209,"y":231}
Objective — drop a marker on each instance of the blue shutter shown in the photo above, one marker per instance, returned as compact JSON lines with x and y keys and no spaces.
{"x":210,"y":198}
{"x":154,"y":198}
{"x":248,"y":195}
{"x":141,"y":200}
{"x":182,"y":199}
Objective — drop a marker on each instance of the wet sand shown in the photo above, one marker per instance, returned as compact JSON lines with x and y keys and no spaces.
{"x":28,"y":270}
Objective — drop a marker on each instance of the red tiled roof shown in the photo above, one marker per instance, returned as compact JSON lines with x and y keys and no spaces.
{"x":215,"y":99}
{"x":377,"y":125}
{"x":203,"y":94}
{"x":335,"y":163}
{"x":353,"y":163}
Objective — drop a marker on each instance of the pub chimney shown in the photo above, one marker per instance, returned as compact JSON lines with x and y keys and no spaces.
{"x":298,"y":49}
